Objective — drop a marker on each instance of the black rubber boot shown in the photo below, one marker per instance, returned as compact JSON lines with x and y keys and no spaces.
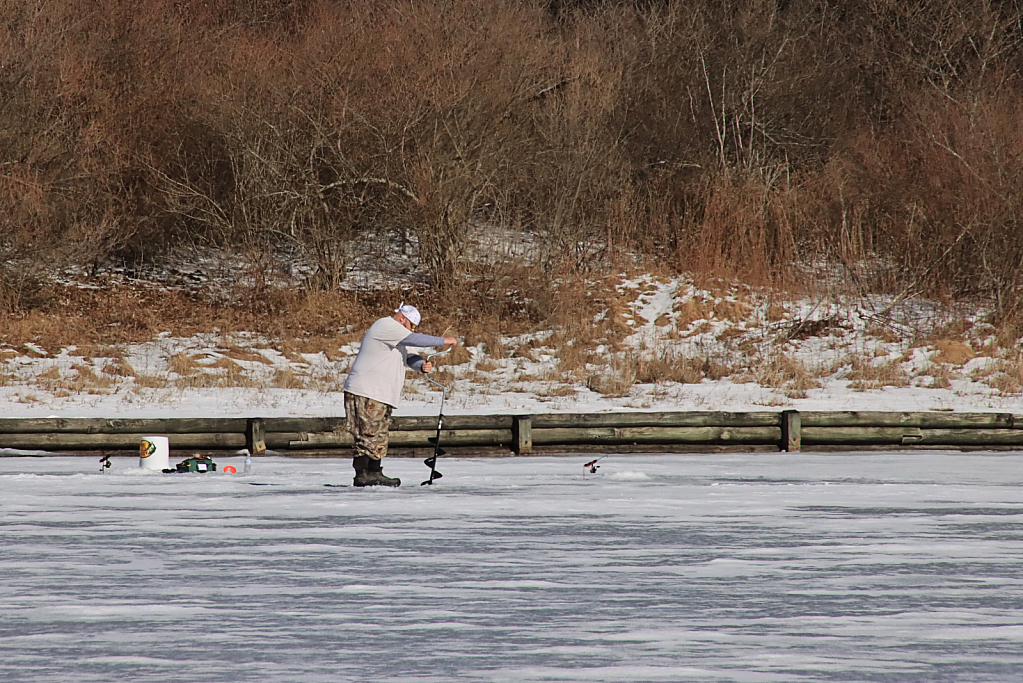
{"x":376,"y":477}
{"x":361,"y":465}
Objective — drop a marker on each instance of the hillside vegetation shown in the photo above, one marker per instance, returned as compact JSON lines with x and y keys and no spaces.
{"x":752,"y":141}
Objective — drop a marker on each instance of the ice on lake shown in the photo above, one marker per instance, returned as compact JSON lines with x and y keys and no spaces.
{"x":752,"y":568}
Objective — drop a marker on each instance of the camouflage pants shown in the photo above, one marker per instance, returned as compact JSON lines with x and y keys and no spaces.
{"x":367,"y":421}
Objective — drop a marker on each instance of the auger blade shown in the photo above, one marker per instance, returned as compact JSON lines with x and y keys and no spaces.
{"x":433,"y":475}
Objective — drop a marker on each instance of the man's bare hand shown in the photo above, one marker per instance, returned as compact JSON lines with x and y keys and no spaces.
{"x":427,"y":366}
{"x":451,"y":341}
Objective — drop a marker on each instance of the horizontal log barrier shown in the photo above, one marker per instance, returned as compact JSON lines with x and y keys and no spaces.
{"x":524,"y":434}
{"x":660,"y":435}
{"x":77,"y":442}
{"x":676,"y":419}
{"x":183,"y":425}
{"x":921,"y":420}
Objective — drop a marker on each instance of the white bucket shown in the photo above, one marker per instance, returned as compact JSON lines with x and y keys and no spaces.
{"x":154,"y":453}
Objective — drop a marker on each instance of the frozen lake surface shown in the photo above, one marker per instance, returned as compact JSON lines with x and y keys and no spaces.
{"x":788,"y":567}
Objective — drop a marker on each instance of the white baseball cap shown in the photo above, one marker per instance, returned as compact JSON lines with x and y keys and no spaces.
{"x":410,"y":312}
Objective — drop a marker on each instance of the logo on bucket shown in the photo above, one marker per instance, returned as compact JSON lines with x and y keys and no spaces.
{"x":146,"y":448}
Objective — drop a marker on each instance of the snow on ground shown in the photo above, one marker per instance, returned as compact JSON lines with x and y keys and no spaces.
{"x":869,"y":354}
{"x":748,"y":568}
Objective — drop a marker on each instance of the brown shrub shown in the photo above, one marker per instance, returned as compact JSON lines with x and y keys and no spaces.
{"x":119,"y":368}
{"x":487,"y":365}
{"x":668,"y":368}
{"x":235,"y":352}
{"x":183,"y":364}
{"x":52,"y":373}
{"x":1004,"y":375}
{"x":458,"y":355}
{"x":556,"y":391}
{"x":615,"y":379}
{"x":953,"y":352}
{"x":87,"y":381}
{"x":864,"y":375}
{"x":688,"y":311}
{"x":151,"y":382}
{"x":231,"y":368}
{"x":286,"y":378}
{"x":783,"y":373}
{"x":523,"y":351}
{"x":942,"y":377}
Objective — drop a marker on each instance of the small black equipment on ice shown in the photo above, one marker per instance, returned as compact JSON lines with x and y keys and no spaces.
{"x":197,"y":463}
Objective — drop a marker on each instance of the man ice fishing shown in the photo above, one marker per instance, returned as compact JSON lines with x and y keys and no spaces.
{"x":373,"y":388}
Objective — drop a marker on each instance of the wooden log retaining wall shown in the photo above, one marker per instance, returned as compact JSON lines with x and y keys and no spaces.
{"x":528,"y":434}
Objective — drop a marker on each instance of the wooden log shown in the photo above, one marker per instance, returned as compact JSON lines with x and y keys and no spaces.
{"x":454,"y":437}
{"x":654,"y":448}
{"x":930,"y":420}
{"x":672,"y":419}
{"x":302,"y":424}
{"x":416,"y":423}
{"x":413,"y":439}
{"x":404,"y":423}
{"x":636,"y":435}
{"x":151,"y":427}
{"x":65,"y":441}
{"x":279,"y":441}
{"x":859,"y":435}
{"x":972,"y":437}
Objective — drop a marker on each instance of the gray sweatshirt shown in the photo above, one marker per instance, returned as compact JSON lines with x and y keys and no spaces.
{"x":379,"y":370}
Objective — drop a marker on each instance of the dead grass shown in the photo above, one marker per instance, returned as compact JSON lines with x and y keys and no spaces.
{"x":953,"y":352}
{"x":557,"y":391}
{"x":52,"y":374}
{"x":87,"y":381}
{"x":615,"y":379}
{"x":573,"y":353}
{"x":458,"y":355}
{"x":208,"y":380}
{"x":235,"y":352}
{"x":92,"y":351}
{"x":668,"y":368}
{"x":151,"y":382}
{"x":119,"y":368}
{"x":230,"y":367}
{"x":883,"y":333}
{"x":775,"y":313}
{"x":524,"y":351}
{"x":286,"y":378}
{"x":715,"y":370}
{"x":731,"y":310}
{"x":487,"y":365}
{"x":183,"y":364}
{"x":702,"y":328}
{"x":788,"y":375}
{"x":1004,"y":375}
{"x":864,"y":374}
{"x":942,"y":376}
{"x":444,"y":376}
{"x":688,"y":311}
